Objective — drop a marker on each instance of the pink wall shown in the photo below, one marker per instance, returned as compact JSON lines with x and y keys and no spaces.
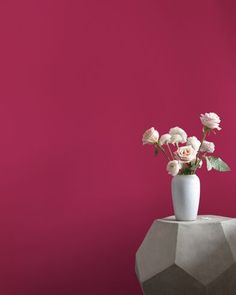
{"x":80,"y":82}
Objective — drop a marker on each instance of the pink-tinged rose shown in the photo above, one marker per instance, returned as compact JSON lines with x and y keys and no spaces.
{"x":210,"y":120}
{"x":207,"y":147}
{"x":186,"y":154}
{"x":150,"y":136}
{"x":173,"y":167}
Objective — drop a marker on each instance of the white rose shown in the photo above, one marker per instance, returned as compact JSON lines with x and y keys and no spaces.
{"x":194,"y":142}
{"x":207,"y":147}
{"x":210,"y":120}
{"x":179,"y":131}
{"x":164,"y":139}
{"x":173,"y":167}
{"x":150,"y":136}
{"x":176,"y":138}
{"x":186,"y":153}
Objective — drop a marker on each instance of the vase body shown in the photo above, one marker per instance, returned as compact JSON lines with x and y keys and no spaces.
{"x":185,"y":196}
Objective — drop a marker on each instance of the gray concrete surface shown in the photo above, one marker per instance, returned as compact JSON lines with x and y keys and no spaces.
{"x":188,"y":257}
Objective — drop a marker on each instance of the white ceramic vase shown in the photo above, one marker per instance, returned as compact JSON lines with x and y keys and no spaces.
{"x":185,"y":196}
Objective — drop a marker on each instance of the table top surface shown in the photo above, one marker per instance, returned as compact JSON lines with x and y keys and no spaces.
{"x":200,"y":220}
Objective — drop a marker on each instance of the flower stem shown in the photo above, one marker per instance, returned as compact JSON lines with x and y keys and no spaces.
{"x":170,"y":151}
{"x":163,"y":151}
{"x":203,"y":138}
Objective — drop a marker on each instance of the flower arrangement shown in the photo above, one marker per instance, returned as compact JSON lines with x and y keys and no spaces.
{"x":189,"y":152}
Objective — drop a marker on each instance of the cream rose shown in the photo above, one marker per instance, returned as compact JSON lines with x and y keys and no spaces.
{"x":182,"y":138}
{"x":207,"y":147}
{"x":210,"y":120}
{"x":164,"y":139}
{"x":173,"y":167}
{"x":194,"y":142}
{"x":150,"y":136}
{"x":186,"y":153}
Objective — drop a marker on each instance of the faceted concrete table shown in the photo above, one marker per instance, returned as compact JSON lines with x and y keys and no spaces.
{"x":188,"y":258}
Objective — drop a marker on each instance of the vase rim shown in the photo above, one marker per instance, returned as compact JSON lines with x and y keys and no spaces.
{"x":186,"y":175}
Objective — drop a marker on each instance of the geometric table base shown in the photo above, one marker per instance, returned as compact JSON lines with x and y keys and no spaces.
{"x":188,"y":258}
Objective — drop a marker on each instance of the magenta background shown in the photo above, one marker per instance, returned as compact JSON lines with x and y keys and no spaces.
{"x":80,"y":82}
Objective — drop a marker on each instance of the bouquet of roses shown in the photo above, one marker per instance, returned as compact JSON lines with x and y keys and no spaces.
{"x":188,"y":153}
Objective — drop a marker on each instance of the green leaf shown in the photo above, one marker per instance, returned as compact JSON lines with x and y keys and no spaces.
{"x":209,"y":166}
{"x":217,"y":164}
